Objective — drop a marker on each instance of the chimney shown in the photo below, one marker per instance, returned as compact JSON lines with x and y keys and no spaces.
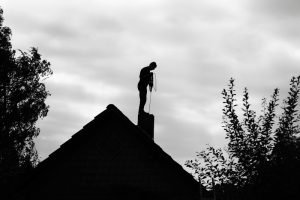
{"x":146,"y":122}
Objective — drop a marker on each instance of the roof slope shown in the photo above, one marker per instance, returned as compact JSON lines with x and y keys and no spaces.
{"x":110,"y":157}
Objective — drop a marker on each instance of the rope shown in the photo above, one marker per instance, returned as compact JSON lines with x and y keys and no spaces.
{"x":155,"y":82}
{"x":155,"y":88}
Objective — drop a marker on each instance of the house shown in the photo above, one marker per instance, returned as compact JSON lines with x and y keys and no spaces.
{"x":110,"y":158}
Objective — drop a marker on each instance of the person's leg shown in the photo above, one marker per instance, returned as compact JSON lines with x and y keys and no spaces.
{"x":143,"y":99}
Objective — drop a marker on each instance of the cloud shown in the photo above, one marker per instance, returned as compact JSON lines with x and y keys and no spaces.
{"x":182,"y":139}
{"x":277,"y":18}
{"x":98,"y":47}
{"x":277,"y":8}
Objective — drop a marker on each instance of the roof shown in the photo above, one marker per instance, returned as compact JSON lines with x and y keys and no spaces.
{"x":111,"y":112}
{"x":111,"y":133}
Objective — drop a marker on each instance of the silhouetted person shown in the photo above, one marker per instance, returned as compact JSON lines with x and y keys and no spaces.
{"x":146,"y":78}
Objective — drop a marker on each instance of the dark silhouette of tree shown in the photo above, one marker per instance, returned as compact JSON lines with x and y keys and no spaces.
{"x":250,"y":140}
{"x":213,"y":167}
{"x":286,"y":133}
{"x":286,"y":152}
{"x":262,"y":156}
{"x":22,"y":103}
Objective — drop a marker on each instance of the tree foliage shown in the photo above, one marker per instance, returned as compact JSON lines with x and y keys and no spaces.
{"x":259,"y":146}
{"x":286,"y":134}
{"x":213,"y":166}
{"x":22,"y":103}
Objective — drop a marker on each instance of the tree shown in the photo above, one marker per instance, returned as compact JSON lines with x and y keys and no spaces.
{"x":22,"y":103}
{"x":287,"y":132}
{"x":258,"y":147}
{"x":250,"y":140}
{"x":286,"y":153}
{"x":213,"y":166}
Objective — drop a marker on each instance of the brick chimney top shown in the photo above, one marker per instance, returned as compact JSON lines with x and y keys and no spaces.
{"x":146,"y":122}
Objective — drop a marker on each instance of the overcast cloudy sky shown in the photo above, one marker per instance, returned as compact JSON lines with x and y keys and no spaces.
{"x":97,"y":48}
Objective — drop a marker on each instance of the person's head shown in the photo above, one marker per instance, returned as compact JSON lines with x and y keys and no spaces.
{"x":152,"y":65}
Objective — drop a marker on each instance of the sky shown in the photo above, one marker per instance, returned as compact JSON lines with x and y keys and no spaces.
{"x":97,"y":47}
